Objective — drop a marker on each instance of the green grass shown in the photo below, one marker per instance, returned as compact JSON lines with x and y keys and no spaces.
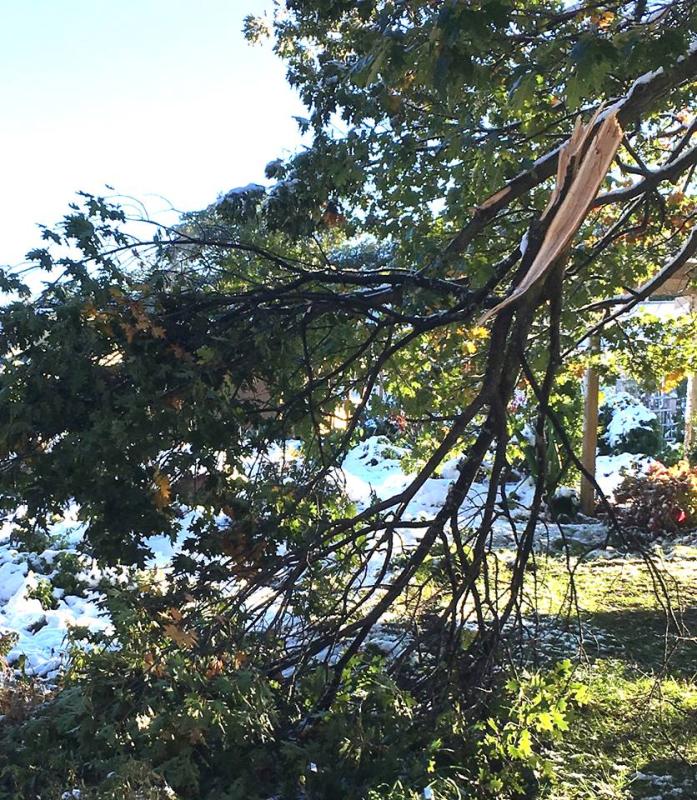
{"x":640,"y":665}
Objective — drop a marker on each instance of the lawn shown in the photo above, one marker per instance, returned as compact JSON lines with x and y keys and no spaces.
{"x":637,"y":736}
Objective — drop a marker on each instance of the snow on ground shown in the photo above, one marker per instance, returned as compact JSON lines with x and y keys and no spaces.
{"x":611,"y":470}
{"x":372,"y":470}
{"x":373,"y":467}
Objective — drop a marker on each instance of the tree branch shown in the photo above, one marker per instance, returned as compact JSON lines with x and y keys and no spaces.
{"x":642,"y":95}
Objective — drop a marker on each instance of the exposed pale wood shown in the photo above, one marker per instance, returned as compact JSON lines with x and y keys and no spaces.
{"x":569,"y":158}
{"x":643,"y":94}
{"x":579,"y":177}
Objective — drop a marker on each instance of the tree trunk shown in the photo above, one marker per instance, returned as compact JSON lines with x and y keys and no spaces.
{"x":691,"y":401}
{"x":590,"y":432}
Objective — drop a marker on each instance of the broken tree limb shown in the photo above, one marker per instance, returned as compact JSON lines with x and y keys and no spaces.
{"x":583,"y":164}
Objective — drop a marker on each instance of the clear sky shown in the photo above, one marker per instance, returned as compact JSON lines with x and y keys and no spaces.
{"x":158,"y":98}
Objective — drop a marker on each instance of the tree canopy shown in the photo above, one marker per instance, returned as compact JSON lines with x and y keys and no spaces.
{"x":483,"y":183}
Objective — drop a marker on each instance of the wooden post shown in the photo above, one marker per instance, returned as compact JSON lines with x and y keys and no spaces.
{"x":690,"y":440}
{"x":590,"y":431}
{"x":690,"y":414}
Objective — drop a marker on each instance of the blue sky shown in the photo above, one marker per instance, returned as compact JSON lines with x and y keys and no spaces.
{"x":158,"y":98}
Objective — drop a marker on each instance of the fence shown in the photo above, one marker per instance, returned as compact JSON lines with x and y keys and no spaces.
{"x":670,"y":410}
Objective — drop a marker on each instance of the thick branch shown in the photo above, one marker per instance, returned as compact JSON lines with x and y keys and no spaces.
{"x":687,"y":251}
{"x":645,"y":92}
{"x":668,"y":172}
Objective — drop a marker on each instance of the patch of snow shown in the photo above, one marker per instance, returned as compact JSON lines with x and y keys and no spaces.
{"x":611,"y":470}
{"x":240,"y":190}
{"x":373,"y":466}
{"x":523,"y":246}
{"x":12,"y":577}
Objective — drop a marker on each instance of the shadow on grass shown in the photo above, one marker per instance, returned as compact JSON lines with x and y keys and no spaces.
{"x":647,"y":640}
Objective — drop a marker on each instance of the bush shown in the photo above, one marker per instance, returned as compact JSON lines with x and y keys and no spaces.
{"x":43,"y":592}
{"x":628,"y":427}
{"x":175,"y":711}
{"x":67,"y":569}
{"x":664,"y":500}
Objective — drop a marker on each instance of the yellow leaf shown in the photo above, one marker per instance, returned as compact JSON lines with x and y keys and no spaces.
{"x":163,"y":490}
{"x":478,"y":332}
{"x":673,"y":379}
{"x":239,"y":659}
{"x":603,"y":19}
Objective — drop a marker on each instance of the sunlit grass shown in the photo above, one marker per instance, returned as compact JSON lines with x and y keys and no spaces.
{"x":637,"y":737}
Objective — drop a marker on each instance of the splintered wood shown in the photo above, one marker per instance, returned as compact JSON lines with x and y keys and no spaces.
{"x":583,"y":164}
